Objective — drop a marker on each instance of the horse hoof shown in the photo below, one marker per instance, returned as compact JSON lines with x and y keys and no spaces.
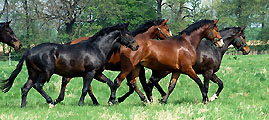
{"x":110,"y":103}
{"x":55,"y":102}
{"x":120,"y":100}
{"x":150,"y":99}
{"x":80,"y":104}
{"x":51,"y":105}
{"x":162,"y":101}
{"x":213,"y":98}
{"x":145,"y":103}
{"x":96,"y":103}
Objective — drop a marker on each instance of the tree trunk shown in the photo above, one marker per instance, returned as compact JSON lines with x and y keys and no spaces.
{"x":179,"y":13}
{"x":27,"y":21}
{"x":239,"y":13}
{"x":159,"y":8}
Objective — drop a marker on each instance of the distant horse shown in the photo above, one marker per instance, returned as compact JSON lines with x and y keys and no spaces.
{"x":151,"y":29}
{"x":7,"y":36}
{"x":85,"y":59}
{"x":208,"y":60}
{"x":176,"y":54}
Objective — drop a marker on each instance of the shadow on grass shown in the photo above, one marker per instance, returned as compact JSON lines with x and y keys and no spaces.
{"x":185,"y":101}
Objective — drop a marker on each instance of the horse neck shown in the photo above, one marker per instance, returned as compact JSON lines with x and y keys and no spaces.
{"x":149,"y":34}
{"x":106,"y":42}
{"x":227,"y":42}
{"x":196,"y":36}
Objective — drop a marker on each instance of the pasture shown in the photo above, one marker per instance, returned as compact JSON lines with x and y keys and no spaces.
{"x":245,"y":96}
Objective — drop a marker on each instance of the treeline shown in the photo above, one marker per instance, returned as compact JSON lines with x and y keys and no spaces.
{"x":59,"y":21}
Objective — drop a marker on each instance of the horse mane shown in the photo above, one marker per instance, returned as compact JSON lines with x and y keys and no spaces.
{"x":144,"y":27}
{"x":106,"y":30}
{"x":228,"y":28}
{"x":194,"y":27}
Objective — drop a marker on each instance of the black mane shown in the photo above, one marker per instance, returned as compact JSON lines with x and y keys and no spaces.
{"x":106,"y":30}
{"x":228,"y":28}
{"x":144,"y":27}
{"x":194,"y":27}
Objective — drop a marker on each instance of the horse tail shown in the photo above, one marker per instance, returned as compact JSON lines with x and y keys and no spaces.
{"x":7,"y":84}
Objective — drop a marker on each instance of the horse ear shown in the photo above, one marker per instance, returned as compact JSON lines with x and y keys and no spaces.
{"x":164,"y":22}
{"x":7,"y":23}
{"x":216,"y":21}
{"x":243,"y":28}
{"x":127,"y":24}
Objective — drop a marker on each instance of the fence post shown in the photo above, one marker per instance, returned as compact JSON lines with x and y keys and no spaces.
{"x":9,"y":57}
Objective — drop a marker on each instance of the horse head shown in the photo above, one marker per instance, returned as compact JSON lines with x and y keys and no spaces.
{"x":126,"y":38}
{"x":240,"y":42}
{"x":163,"y":30}
{"x":7,"y":36}
{"x":213,"y":34}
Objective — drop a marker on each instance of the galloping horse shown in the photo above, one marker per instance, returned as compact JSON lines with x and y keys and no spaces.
{"x":176,"y":54}
{"x":208,"y":60}
{"x":7,"y":36}
{"x":150,"y":30}
{"x":85,"y":59}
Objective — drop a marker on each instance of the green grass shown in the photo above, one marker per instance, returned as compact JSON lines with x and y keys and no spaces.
{"x":245,"y":96}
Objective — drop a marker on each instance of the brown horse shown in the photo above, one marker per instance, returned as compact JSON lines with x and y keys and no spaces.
{"x":207,"y":63}
{"x":176,"y":54}
{"x":149,"y":30}
{"x":7,"y":36}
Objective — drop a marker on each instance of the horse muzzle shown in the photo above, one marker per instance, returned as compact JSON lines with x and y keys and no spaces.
{"x":220,"y":43}
{"x":134,"y":46}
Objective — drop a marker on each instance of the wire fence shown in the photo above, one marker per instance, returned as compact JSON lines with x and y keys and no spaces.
{"x":9,"y":57}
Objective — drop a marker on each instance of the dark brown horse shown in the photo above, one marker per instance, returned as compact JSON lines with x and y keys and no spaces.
{"x":207,"y":63}
{"x":7,"y":36}
{"x":176,"y":54}
{"x":149,"y":30}
{"x":85,"y":59}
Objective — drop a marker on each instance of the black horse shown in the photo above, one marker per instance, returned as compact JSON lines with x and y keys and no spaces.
{"x":85,"y":59}
{"x":7,"y":36}
{"x":208,"y":62}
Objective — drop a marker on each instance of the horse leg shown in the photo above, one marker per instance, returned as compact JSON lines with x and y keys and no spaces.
{"x":133,"y":79}
{"x":94,"y":100}
{"x":191,"y":73}
{"x":38,"y":85}
{"x":117,"y":83}
{"x":153,"y":81}
{"x":142,"y":78}
{"x":60,"y":98}
{"x":102,"y":78}
{"x":215,"y":79}
{"x":207,"y":75}
{"x":24,"y":90}
{"x":143,"y":81}
{"x":171,"y":87}
{"x":131,"y":91}
{"x":87,"y":79}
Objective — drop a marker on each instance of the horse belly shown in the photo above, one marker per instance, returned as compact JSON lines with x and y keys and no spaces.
{"x":156,"y":65}
{"x":69,"y":71}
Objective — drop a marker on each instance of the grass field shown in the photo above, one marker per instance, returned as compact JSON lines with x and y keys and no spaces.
{"x":245,"y":96}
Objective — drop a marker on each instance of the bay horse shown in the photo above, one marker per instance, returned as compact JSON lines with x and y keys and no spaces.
{"x":207,"y":63}
{"x":176,"y":54}
{"x":7,"y":36}
{"x":153,"y":29}
{"x":85,"y":59}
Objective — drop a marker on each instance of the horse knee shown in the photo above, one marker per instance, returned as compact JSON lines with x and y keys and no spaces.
{"x":38,"y":85}
{"x":24,"y":91}
{"x":220,"y":83}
